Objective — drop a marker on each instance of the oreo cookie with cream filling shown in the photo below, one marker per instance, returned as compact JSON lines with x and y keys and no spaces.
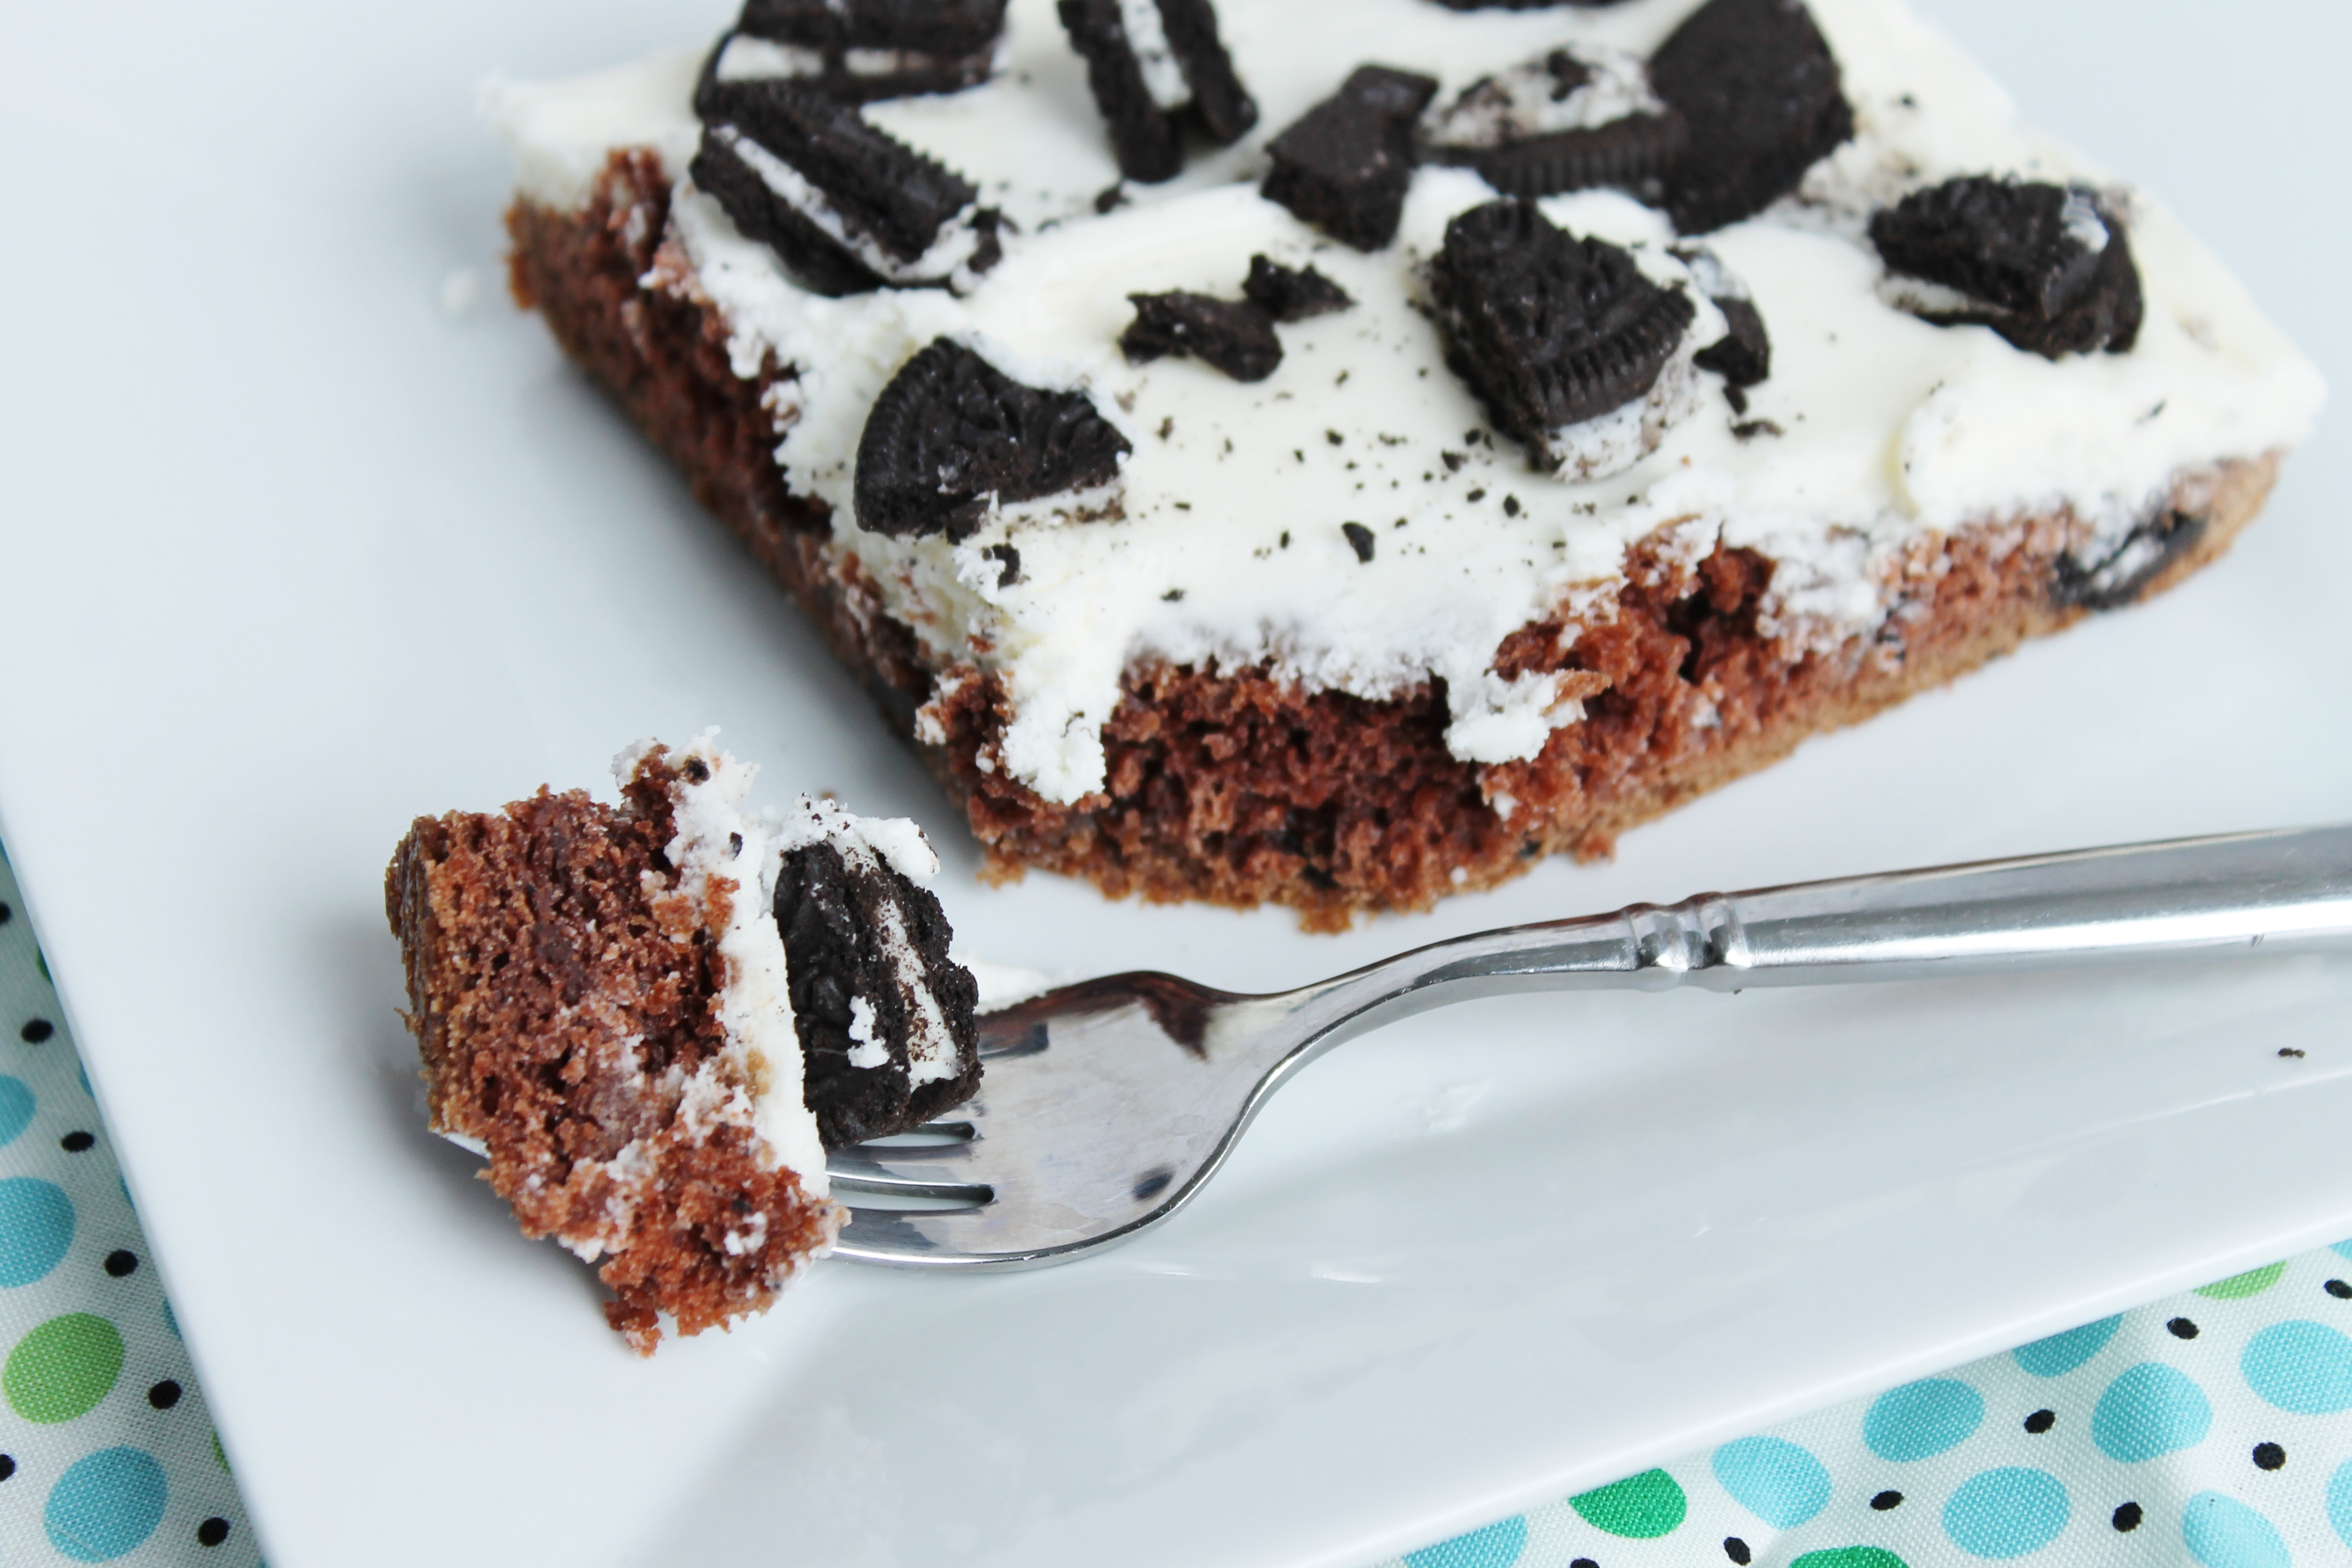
{"x":846,"y":207}
{"x":1553,"y":332}
{"x":1153,"y":65}
{"x":1580,"y":116}
{"x":884,"y":1016}
{"x":1292,"y":293}
{"x":1760,"y":92}
{"x":951,"y":433}
{"x":1236,"y":336}
{"x":2047,"y":267}
{"x":1346,"y":163}
{"x":859,"y":50}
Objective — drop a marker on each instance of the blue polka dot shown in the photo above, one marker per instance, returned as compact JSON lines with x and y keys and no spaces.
{"x":1774,"y":1479}
{"x":2223,"y":1532}
{"x":2339,"y":1501}
{"x":2342,"y":1250}
{"x":2301,"y":1366}
{"x":1496,"y":1546}
{"x":105,"y":1505}
{"x":1921,"y":1419}
{"x":2149,"y":1409}
{"x":15,"y":1108}
{"x":2006,"y":1512}
{"x":37,"y":1225}
{"x":2064,"y":1352}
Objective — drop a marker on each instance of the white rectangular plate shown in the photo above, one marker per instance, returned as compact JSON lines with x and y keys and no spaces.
{"x":293,"y":553}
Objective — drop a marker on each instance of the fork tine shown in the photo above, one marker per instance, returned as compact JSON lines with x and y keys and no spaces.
{"x":921,"y":1163}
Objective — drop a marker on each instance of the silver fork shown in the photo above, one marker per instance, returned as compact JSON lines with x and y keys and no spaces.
{"x":1105,"y":1106}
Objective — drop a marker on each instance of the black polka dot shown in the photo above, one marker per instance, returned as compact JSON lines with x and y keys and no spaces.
{"x":37,"y":1030}
{"x":2269,"y":1456}
{"x":122,"y":1263}
{"x":2337,"y":1288}
{"x":2126,"y":1517}
{"x":1736,"y":1550}
{"x":8,"y":1465}
{"x":2182,"y":1329}
{"x":6,"y":914}
{"x":1584,"y":1563}
{"x":2040,"y":1421}
{"x":75,"y":1143}
{"x":212,"y":1532}
{"x":1886,"y":1499}
{"x":165,"y":1394}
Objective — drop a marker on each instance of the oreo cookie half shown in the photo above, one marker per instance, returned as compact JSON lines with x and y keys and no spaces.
{"x":1551,"y":331}
{"x":873,"y":992}
{"x":1292,"y":293}
{"x":2047,"y":267}
{"x":1760,"y":89}
{"x":846,"y":207}
{"x":952,"y":431}
{"x":1236,"y":336}
{"x":1152,"y":65}
{"x":859,"y":51}
{"x":1346,"y":163}
{"x":1580,"y":116}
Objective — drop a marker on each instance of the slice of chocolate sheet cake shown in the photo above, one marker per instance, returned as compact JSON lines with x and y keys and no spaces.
{"x":1256,"y":457}
{"x":653,"y":1019}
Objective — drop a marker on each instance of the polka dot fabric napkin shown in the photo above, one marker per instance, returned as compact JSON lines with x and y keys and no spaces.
{"x":2214,"y":1429}
{"x":107,"y":1454}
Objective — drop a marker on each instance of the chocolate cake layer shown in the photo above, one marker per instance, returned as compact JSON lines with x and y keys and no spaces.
{"x":1235,"y":787}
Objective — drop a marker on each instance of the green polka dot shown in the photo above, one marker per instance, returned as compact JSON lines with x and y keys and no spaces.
{"x":1850,"y":1557}
{"x":2237,"y":1287}
{"x":1640,"y":1507}
{"x":63,"y":1368}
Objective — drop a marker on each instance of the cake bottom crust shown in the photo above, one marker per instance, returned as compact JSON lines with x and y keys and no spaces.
{"x":1234,"y":786}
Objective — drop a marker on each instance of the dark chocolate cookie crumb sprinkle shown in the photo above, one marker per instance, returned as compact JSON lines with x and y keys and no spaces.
{"x":1234,"y":335}
{"x":2040,"y":1421}
{"x":1743,"y":355}
{"x":1359,"y":539}
{"x":2182,"y":1329}
{"x":2269,"y":1457}
{"x":75,"y":1143}
{"x":1748,"y":429}
{"x":213,"y":1532}
{"x":2126,"y":1517}
{"x":1292,"y":293}
{"x":2290,"y":1051}
{"x":1344,"y":165}
{"x":1008,"y":560}
{"x":122,"y":1263}
{"x":1886,"y":1499}
{"x":36,"y":1031}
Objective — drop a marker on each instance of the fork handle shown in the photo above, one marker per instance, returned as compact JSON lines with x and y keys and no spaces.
{"x":2234,"y":893}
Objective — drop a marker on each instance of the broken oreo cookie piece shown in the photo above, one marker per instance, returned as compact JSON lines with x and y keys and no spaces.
{"x":1549,"y":330}
{"x":952,"y":431}
{"x":1292,"y":293}
{"x":846,"y":207}
{"x":857,"y":50}
{"x":1743,"y":355}
{"x":1580,"y":117}
{"x":1236,"y":336}
{"x":1758,"y":85}
{"x":2047,"y":267}
{"x":1521,"y":5}
{"x":1150,"y":65}
{"x":884,"y":1016}
{"x":1345,"y":165}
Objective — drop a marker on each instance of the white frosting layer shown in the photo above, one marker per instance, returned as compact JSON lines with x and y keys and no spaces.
{"x":1889,"y":427}
{"x":716,"y":838}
